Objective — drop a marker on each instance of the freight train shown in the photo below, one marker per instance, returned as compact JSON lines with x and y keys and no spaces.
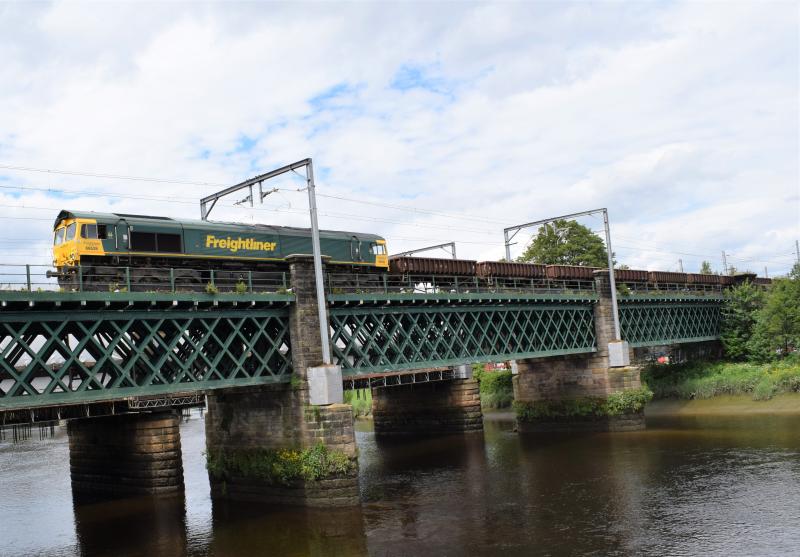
{"x":101,"y":251}
{"x":109,"y":249}
{"x":501,"y":270}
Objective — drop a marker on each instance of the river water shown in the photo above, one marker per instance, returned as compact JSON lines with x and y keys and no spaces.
{"x":686,"y":486}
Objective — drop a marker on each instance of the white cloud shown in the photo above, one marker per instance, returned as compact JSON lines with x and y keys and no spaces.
{"x":682,"y":119}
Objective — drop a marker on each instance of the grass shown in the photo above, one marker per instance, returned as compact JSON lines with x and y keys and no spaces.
{"x":702,"y":380}
{"x":361,"y":401}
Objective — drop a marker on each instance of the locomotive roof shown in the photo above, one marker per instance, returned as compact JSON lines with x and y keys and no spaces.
{"x":207,"y":225}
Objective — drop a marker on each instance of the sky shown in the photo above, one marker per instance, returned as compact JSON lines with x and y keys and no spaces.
{"x":427,"y":122}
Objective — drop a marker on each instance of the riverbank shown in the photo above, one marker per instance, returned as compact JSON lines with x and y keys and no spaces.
{"x":725,"y":405}
{"x":707,"y":380}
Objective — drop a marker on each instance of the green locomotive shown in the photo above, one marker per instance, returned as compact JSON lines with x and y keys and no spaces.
{"x":110,"y":248}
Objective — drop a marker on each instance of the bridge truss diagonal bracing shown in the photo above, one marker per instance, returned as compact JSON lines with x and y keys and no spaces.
{"x":62,"y":357}
{"x":652,"y":323}
{"x":381,"y":338}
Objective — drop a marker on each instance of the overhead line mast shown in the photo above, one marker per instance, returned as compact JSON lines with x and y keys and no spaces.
{"x":451,"y":245}
{"x":612,"y":281}
{"x":205,"y":210}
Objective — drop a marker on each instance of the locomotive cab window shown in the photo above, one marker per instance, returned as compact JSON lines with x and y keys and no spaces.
{"x":70,"y":232}
{"x":89,"y":231}
{"x":378,"y":249}
{"x":58,"y":239}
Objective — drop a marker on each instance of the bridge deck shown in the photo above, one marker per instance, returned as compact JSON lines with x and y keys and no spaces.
{"x":66,"y":348}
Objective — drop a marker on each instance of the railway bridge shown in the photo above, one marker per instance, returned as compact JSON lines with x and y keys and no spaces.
{"x":118,"y":364}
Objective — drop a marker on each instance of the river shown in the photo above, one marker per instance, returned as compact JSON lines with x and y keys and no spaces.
{"x":688,"y":485}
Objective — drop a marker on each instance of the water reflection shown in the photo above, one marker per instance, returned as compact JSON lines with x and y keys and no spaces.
{"x":133,"y":526}
{"x":252,"y":529}
{"x":686,"y":486}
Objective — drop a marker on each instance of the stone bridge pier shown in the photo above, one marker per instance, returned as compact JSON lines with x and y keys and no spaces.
{"x":438,"y":407}
{"x":130,"y":454}
{"x":268,"y":443}
{"x":579,"y":392}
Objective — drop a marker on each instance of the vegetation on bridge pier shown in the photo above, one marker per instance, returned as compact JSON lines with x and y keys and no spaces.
{"x":280,"y":466}
{"x":629,"y":401}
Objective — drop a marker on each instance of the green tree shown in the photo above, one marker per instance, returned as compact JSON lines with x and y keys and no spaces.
{"x":739,"y":316}
{"x":705,"y":268}
{"x":778,"y":322}
{"x":566,"y":243}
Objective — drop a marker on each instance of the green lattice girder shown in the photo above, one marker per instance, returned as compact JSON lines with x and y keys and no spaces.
{"x":648,"y":323}
{"x":59,"y":357}
{"x":373,"y":339}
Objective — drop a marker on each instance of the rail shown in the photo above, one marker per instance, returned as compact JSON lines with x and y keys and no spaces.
{"x":661,"y":289}
{"x":354,"y":283}
{"x":44,"y":278}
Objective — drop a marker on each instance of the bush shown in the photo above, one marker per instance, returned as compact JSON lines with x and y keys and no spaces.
{"x":630,"y":401}
{"x":240,"y":288}
{"x":211,"y":288}
{"x":496,"y":387}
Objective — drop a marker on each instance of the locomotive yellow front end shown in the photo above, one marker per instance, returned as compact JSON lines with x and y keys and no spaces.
{"x":65,"y":246}
{"x":381,"y":254}
{"x":72,"y":238}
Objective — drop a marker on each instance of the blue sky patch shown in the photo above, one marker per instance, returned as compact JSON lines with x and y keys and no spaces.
{"x":244,"y":144}
{"x":323,"y":100}
{"x":416,"y":76}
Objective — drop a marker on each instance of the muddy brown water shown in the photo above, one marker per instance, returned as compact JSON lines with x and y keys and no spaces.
{"x":689,"y":485}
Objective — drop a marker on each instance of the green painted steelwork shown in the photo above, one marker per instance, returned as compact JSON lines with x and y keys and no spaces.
{"x":658,"y":321}
{"x":59,"y":348}
{"x":53,"y":354}
{"x":383,"y":338}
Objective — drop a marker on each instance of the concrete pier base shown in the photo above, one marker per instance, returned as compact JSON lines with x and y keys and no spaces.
{"x":124,"y":455}
{"x":569,"y":393}
{"x":428,"y":408}
{"x":255,"y":436}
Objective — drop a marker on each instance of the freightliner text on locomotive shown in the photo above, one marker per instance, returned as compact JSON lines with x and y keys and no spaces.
{"x":156,"y":251}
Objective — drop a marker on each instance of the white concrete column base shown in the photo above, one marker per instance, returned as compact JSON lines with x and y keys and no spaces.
{"x":325,"y":385}
{"x":619,"y":353}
